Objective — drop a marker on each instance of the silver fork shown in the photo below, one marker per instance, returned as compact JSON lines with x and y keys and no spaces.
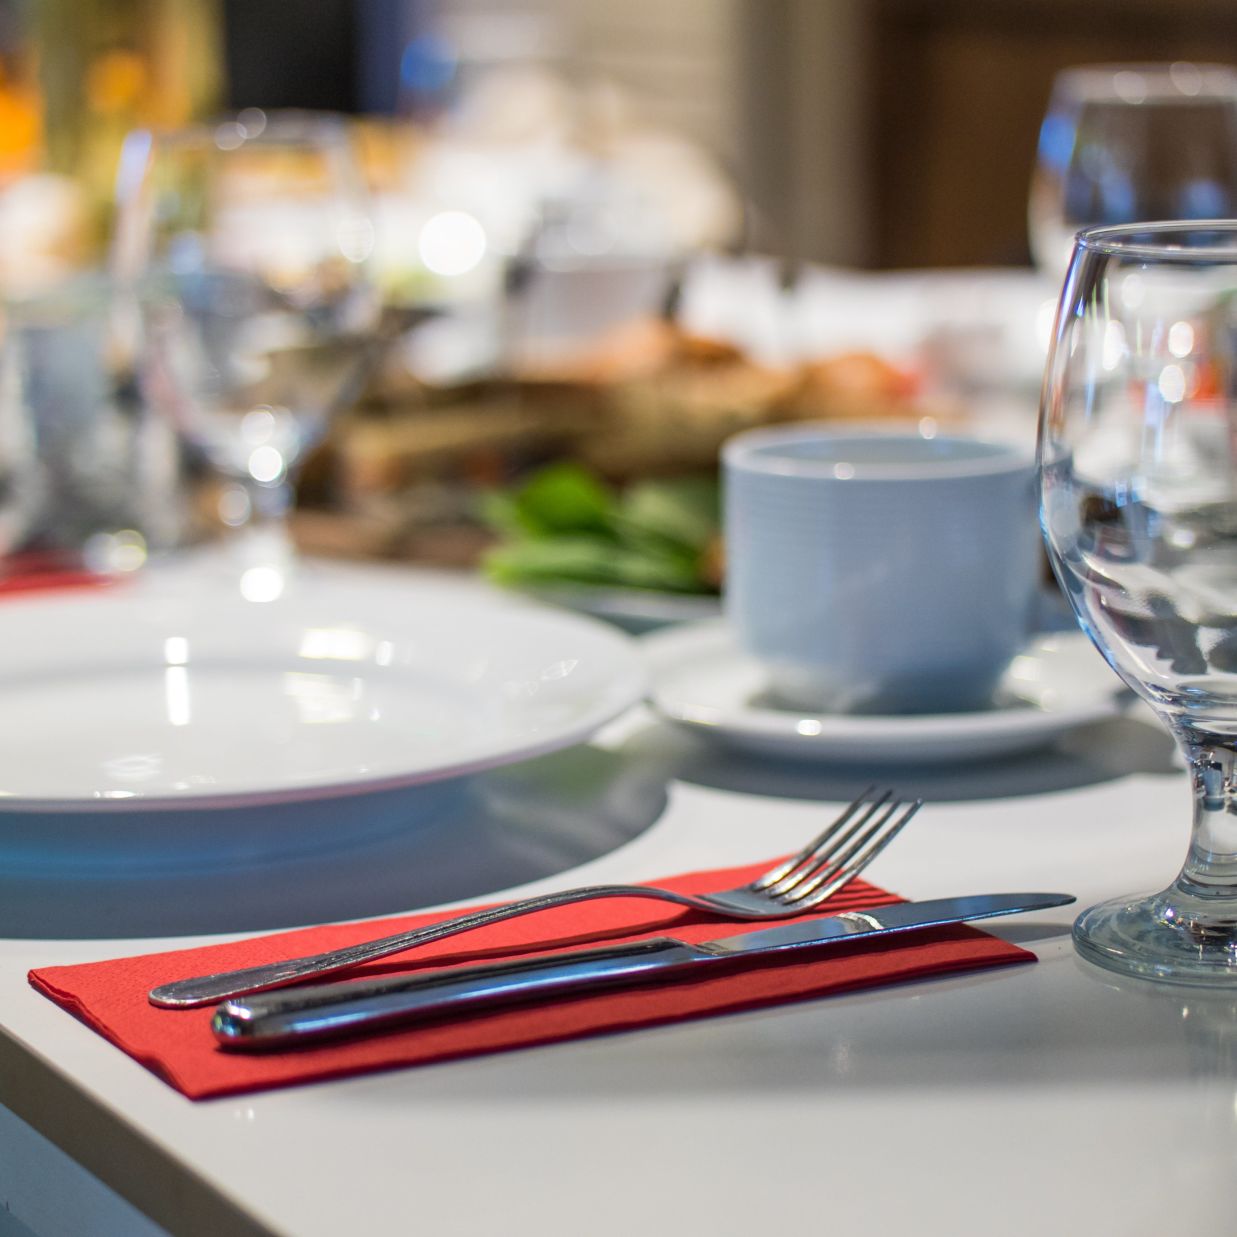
{"x":801,"y":883}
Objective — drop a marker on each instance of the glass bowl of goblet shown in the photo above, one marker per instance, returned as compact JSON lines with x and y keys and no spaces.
{"x":1138,"y":467}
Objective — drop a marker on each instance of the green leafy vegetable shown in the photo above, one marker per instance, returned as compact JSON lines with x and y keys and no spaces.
{"x":566,"y":526}
{"x":681,"y":513}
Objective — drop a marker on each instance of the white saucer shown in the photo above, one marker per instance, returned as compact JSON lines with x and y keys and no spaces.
{"x":174,"y":691}
{"x":702,"y":681}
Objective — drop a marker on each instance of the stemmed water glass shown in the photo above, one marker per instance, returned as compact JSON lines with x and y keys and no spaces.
{"x":1138,"y":456}
{"x":1124,"y":143}
{"x":246,"y":245}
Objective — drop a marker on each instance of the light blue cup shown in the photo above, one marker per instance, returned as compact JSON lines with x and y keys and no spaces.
{"x":879,"y":572}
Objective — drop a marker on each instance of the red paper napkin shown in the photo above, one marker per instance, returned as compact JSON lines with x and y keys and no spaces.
{"x":177,"y":1045}
{"x":47,"y":572}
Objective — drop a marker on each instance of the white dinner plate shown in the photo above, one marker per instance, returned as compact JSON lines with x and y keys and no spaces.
{"x":702,"y":681}
{"x":174,"y":691}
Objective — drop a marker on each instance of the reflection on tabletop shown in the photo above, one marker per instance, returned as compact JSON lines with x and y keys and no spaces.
{"x":251,"y":869}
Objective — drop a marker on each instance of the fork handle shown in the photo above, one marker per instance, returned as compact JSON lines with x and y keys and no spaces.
{"x":209,"y":989}
{"x":327,"y":1011}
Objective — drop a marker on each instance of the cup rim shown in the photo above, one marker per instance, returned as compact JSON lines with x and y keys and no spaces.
{"x":1123,"y":241}
{"x":745,"y":451}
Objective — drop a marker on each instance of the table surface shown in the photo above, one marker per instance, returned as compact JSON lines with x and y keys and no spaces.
{"x":1009,"y":1100}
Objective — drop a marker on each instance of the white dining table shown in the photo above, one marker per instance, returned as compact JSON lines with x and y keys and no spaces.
{"x":1053,"y":1097}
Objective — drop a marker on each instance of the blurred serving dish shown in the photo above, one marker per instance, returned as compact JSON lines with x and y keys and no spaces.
{"x":652,"y":398}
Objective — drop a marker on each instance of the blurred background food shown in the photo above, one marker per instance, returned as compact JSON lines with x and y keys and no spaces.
{"x":606,"y":236}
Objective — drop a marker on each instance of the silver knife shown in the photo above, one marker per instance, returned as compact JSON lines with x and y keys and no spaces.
{"x":293,"y":1016}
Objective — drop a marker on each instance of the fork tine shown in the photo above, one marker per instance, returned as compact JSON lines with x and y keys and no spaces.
{"x":782,"y":870}
{"x":812,"y":895}
{"x":829,"y":848}
{"x":812,"y":875}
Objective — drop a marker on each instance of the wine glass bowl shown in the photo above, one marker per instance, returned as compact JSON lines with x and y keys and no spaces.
{"x":1138,"y":466}
{"x":90,"y":478}
{"x":247,"y":244}
{"x":1125,"y":143}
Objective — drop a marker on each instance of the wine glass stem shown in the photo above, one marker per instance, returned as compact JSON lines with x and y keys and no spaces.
{"x":268,"y":504}
{"x":1210,"y":871}
{"x":262,"y":537}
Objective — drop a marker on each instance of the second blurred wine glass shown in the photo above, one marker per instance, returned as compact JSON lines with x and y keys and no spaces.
{"x":246,"y":245}
{"x":1132,"y":143}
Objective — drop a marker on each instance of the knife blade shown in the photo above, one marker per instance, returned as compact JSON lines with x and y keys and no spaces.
{"x":302,"y":1016}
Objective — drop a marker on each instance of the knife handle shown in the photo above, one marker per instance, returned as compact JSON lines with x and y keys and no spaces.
{"x":295,"y":1016}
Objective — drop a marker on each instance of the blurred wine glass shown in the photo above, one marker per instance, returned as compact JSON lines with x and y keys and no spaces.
{"x":247,"y":245}
{"x":90,"y":479}
{"x":1132,"y":143}
{"x":22,"y":482}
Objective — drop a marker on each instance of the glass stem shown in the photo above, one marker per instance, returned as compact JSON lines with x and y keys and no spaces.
{"x":261,"y":537}
{"x":1210,"y":870}
{"x":269,"y":504}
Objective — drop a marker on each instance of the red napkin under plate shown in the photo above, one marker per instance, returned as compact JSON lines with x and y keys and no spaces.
{"x":25,"y":582}
{"x":178,"y":1046}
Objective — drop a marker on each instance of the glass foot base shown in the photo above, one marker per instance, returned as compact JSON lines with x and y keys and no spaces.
{"x":1171,"y":937}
